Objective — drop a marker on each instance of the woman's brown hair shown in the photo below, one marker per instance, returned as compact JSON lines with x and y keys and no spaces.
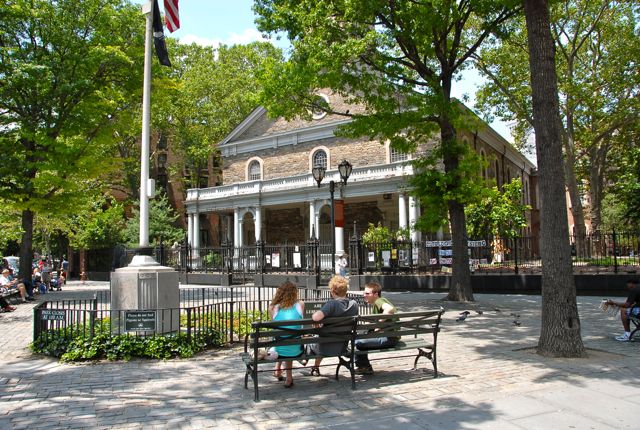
{"x":286,"y":295}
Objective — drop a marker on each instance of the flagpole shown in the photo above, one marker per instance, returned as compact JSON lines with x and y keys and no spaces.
{"x":147,"y":9}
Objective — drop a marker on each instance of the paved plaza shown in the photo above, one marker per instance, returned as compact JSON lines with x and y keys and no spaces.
{"x":490,"y":378}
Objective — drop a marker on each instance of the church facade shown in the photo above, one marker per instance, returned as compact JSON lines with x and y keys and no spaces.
{"x":268,"y":192}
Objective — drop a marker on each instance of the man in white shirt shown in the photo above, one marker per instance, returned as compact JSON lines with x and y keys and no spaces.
{"x":8,"y":283}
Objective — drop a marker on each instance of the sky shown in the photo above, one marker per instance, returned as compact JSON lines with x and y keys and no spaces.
{"x":229,"y":22}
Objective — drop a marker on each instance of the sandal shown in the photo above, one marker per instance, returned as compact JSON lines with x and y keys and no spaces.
{"x":313,"y":371}
{"x":288,"y":385}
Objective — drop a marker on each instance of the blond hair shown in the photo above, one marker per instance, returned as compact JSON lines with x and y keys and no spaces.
{"x":339,"y":286}
{"x":286,"y":295}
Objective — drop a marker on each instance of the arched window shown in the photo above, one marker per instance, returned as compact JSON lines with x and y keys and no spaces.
{"x":254,"y":171}
{"x":395,"y":155}
{"x":319,"y":159}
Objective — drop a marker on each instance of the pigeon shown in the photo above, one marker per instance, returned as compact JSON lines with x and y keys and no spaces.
{"x":497,"y":310}
{"x":462,"y":317}
{"x":479,"y":312}
{"x":517,"y":323}
{"x":514,"y":315}
{"x":465,"y":313}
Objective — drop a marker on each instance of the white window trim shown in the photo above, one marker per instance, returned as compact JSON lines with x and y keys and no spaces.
{"x":317,"y":116}
{"x":316,"y":149}
{"x":387,"y":147}
{"x":248,"y":165}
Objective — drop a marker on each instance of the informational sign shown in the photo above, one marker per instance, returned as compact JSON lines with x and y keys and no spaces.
{"x":297,"y":262}
{"x":371,"y":257}
{"x":140,"y":320}
{"x":386,"y":258}
{"x":53,"y":315}
{"x":275,"y":259}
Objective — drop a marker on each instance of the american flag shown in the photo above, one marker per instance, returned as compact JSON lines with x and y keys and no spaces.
{"x":171,"y":15}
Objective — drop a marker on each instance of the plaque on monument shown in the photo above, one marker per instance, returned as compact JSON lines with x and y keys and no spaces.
{"x":140,"y":320}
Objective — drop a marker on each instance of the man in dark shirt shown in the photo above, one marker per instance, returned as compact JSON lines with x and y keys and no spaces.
{"x":630,"y":307}
{"x":338,"y":306}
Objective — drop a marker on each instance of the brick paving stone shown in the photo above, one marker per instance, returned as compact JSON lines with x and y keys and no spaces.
{"x":482,"y":363}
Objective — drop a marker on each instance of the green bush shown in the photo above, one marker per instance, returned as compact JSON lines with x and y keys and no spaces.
{"x":74,"y":344}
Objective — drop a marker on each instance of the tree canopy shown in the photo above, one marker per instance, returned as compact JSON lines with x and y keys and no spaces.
{"x":65,"y":69}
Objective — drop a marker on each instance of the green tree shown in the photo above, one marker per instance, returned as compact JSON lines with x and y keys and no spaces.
{"x":499,"y":214}
{"x":597,"y":44}
{"x":162,"y":220}
{"x":208,"y":93}
{"x":65,"y":68}
{"x":99,"y":225}
{"x":398,"y":60}
{"x":560,"y":328}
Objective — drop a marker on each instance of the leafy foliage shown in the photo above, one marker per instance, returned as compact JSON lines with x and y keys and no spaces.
{"x":499,"y":213}
{"x":66,"y":67}
{"x":72,"y":344}
{"x":162,"y":219}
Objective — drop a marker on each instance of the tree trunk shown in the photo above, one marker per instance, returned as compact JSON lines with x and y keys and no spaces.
{"x":560,"y":331}
{"x":26,"y":247}
{"x":597,"y":156}
{"x":460,"y":288}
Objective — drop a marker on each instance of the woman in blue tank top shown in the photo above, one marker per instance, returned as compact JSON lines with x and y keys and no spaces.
{"x":286,"y":306}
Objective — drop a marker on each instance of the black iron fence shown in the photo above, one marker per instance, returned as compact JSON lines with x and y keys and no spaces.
{"x":227,"y":312}
{"x":612,"y":251}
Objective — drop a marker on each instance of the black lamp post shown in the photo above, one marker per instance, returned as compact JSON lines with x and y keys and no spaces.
{"x":344,"y":168}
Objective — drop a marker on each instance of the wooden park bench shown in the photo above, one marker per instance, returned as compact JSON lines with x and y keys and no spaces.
{"x":408,"y":326}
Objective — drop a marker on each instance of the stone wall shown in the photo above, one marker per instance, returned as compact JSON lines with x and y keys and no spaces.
{"x":293,"y":160}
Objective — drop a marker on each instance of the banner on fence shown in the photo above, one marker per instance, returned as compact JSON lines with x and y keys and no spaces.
{"x":447,"y":243}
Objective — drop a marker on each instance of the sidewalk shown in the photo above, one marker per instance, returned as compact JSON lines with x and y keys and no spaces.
{"x":490,"y":379}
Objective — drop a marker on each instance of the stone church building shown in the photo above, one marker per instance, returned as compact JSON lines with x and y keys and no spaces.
{"x":268,"y":191}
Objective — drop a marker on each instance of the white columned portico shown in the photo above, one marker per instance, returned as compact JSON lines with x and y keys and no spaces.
{"x":258,"y":224}
{"x":413,"y":217}
{"x":402,"y":211}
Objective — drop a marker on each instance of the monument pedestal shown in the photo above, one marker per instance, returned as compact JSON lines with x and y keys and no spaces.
{"x":145,"y":297}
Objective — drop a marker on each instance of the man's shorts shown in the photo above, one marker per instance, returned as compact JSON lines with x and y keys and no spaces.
{"x":636,"y":311}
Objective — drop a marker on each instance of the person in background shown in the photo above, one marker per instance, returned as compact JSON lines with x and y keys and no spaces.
{"x":343,"y":263}
{"x":627,"y":308}
{"x":286,"y":306}
{"x":8,"y":283}
{"x":64,"y":266}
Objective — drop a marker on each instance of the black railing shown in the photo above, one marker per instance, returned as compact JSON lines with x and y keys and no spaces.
{"x":613,"y":251}
{"x":227,"y":311}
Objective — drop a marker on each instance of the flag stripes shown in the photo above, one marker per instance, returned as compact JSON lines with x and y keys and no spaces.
{"x":171,"y":15}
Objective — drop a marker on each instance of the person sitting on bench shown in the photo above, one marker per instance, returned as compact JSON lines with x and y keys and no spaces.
{"x":627,"y":308}
{"x":337,"y":306}
{"x":372,"y":295}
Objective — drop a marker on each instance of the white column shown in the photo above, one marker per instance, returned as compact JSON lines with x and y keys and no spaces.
{"x":402,"y":211}
{"x":236,"y":228}
{"x":413,"y":217}
{"x":190,"y":229}
{"x":196,"y":230}
{"x":312,"y":218}
{"x":258,"y":223}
